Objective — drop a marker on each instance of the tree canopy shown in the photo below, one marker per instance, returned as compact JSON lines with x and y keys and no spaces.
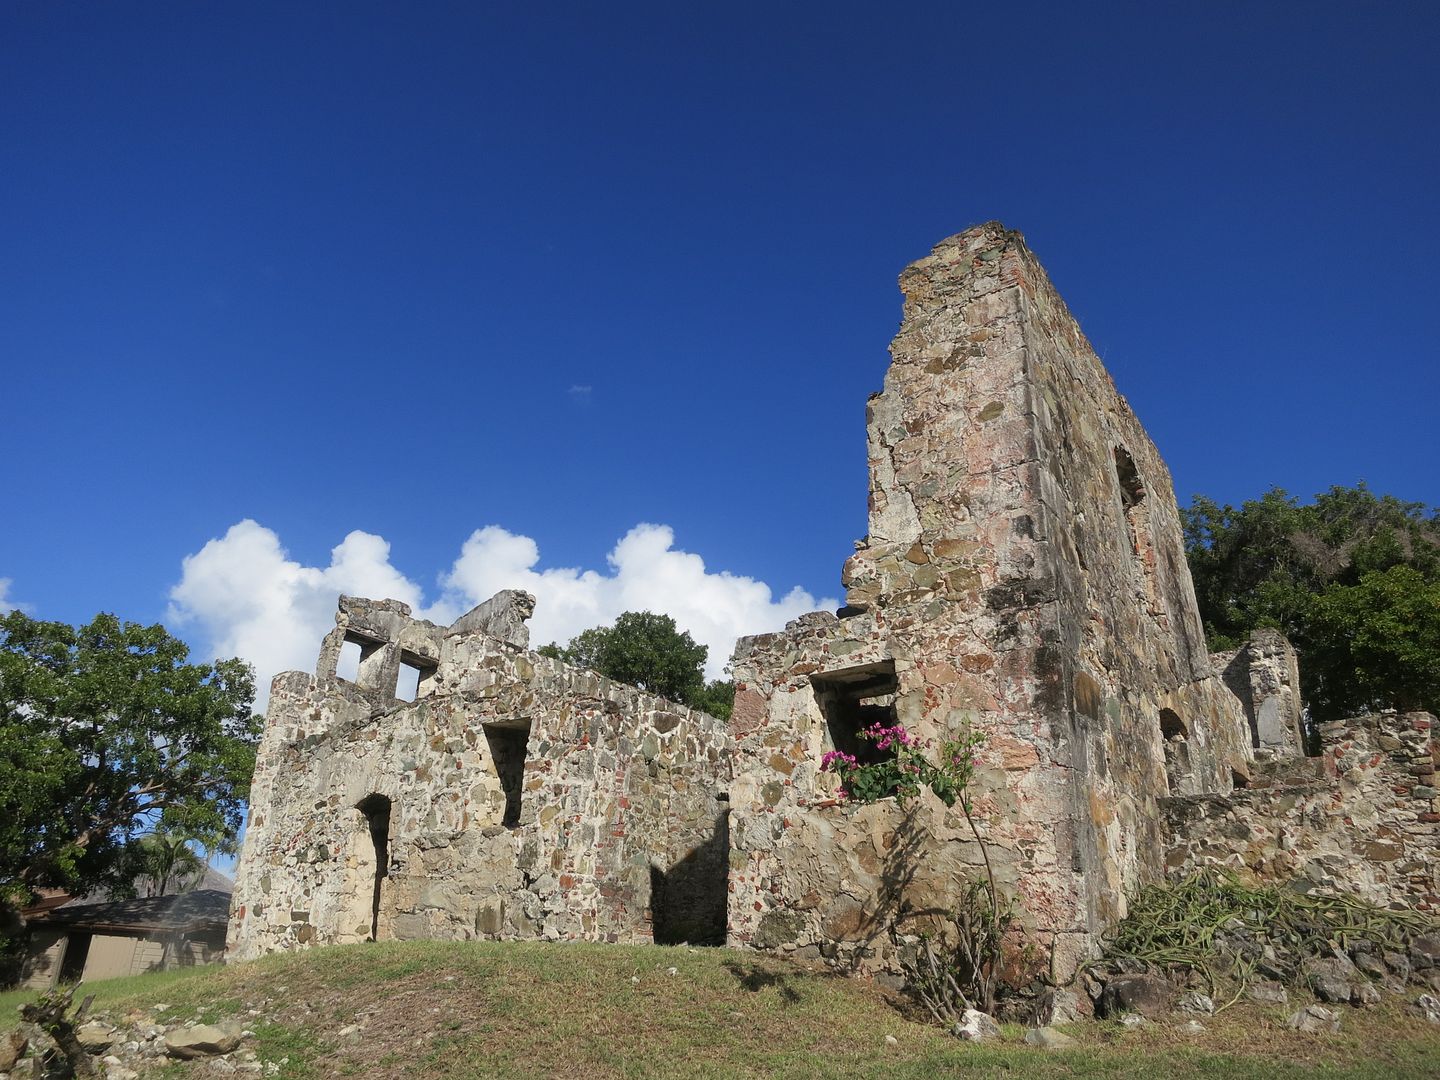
{"x":647,"y":650}
{"x":108,"y":733}
{"x":1353,"y":579}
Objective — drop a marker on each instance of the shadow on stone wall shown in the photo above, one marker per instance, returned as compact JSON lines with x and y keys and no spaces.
{"x":688,"y":901}
{"x":892,"y":904}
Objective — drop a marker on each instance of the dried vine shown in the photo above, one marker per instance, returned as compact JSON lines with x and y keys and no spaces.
{"x":1216,"y":925}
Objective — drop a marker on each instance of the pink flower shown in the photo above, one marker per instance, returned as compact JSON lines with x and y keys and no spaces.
{"x":886,"y":737}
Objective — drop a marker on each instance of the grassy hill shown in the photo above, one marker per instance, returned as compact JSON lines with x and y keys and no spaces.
{"x":481,"y":1009}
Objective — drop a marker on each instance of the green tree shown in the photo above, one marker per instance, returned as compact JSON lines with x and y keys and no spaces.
{"x":108,"y":733}
{"x":1378,"y":641}
{"x":1351,"y":579}
{"x":166,"y":858}
{"x":647,"y":650}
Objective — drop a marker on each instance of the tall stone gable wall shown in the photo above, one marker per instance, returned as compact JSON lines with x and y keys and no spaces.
{"x":619,"y":832}
{"x":1024,"y":575}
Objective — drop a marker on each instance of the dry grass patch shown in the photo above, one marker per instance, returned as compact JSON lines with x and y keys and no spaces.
{"x":482,"y":1009}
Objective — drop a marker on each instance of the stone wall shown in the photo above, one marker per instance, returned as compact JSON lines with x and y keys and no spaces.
{"x":1363,"y":818}
{"x":1024,"y":576}
{"x":1264,"y":674}
{"x":515,"y":797}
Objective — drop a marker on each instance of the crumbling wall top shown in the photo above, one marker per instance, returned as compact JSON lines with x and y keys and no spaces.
{"x":503,"y":616}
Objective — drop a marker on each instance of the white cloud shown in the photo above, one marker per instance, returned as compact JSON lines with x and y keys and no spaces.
{"x":252,"y":600}
{"x":8,"y":605}
{"x":647,"y":573}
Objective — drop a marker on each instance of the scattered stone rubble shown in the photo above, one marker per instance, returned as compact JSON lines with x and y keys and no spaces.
{"x":1023,"y":576}
{"x":127,"y":1047}
{"x":1359,"y":976}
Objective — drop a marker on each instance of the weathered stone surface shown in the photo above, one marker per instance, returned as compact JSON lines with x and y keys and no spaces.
{"x":1315,"y":1019}
{"x":1426,"y":950}
{"x":1355,"y":828}
{"x":1148,"y":995}
{"x":976,"y":1026}
{"x":202,"y":1040}
{"x":1267,"y":992}
{"x":1264,"y":675}
{"x":1371,"y":965}
{"x":515,"y":797}
{"x":12,"y":1049}
{"x":96,"y":1037}
{"x":1047,"y":1038}
{"x":1331,"y":988}
{"x":1058,"y":1006}
{"x":1196,"y":1003}
{"x":1024,"y":577}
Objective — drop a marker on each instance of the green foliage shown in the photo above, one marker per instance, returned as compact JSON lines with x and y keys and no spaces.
{"x":646,"y":650}
{"x":1353,"y":579}
{"x":903,"y":766}
{"x":164,"y":859}
{"x":106,"y":732}
{"x":1379,"y":640}
{"x":717,"y":699}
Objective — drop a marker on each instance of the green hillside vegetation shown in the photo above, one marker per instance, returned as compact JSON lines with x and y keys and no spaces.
{"x":1352,"y":578}
{"x":484,"y":1009}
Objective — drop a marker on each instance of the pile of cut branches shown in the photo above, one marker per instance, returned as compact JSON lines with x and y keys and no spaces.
{"x":1227,"y":931}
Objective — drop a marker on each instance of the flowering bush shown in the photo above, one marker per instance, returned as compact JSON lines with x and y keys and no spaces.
{"x":965,"y":976}
{"x":908,"y":768}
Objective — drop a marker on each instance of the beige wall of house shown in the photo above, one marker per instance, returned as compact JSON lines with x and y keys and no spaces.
{"x":42,"y":962}
{"x":114,"y":956}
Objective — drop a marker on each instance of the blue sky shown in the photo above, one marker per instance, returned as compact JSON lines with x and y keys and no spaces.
{"x":577,"y":296}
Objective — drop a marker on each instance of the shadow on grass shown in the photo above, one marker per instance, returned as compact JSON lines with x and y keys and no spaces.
{"x":755,"y":978}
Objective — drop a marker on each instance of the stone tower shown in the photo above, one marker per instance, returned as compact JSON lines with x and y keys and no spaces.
{"x":1024,"y":577}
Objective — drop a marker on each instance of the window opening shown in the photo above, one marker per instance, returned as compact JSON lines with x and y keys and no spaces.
{"x":358,"y":659}
{"x":347,"y":667}
{"x":376,"y":810}
{"x":1137,"y":527}
{"x":508,"y":741}
{"x":417,"y":677}
{"x":853,"y":700}
{"x":1132,"y":488}
{"x":1177,"y":750}
{"x":407,"y":688}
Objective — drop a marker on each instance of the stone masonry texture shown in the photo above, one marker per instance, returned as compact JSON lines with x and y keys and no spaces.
{"x":1023,"y":578}
{"x":518,"y":797}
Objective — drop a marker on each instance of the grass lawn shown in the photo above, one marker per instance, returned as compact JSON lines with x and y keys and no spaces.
{"x":485,"y":1009}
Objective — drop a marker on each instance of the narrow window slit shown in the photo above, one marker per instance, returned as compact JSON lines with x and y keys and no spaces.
{"x":508,"y":742}
{"x":376,"y":811}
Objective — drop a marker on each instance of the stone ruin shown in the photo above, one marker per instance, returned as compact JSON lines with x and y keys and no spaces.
{"x":1024,"y":576}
